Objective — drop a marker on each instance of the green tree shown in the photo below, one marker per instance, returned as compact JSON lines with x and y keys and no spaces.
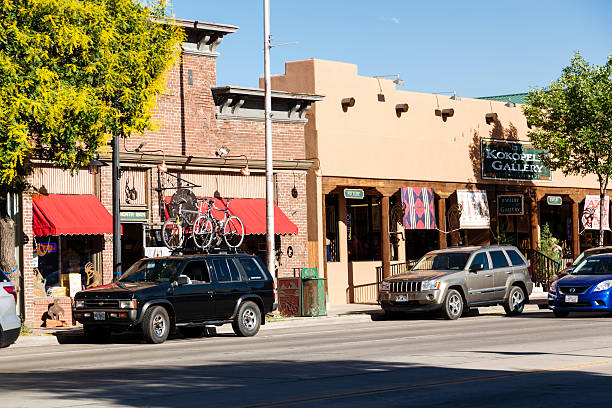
{"x":73,"y":75}
{"x":573,"y":119}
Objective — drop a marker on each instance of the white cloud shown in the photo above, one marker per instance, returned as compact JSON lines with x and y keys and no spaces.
{"x":395,"y":20}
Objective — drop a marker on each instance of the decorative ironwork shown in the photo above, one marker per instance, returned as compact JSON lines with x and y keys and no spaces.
{"x":169,"y":181}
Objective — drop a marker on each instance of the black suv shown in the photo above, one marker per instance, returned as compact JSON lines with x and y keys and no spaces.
{"x":158,"y":295}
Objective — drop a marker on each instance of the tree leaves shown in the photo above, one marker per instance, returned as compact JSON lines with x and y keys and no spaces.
{"x":72,"y":74}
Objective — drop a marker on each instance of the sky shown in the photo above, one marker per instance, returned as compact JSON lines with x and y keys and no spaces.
{"x":475,"y":48}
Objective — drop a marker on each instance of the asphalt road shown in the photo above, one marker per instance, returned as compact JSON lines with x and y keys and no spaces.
{"x":360,"y":360}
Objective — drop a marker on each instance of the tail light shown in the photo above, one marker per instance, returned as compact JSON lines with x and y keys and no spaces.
{"x":11,"y":289}
{"x":529,"y":270}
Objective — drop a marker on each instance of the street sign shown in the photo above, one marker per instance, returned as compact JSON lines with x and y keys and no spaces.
{"x":134,"y":215}
{"x":554,"y":200}
{"x":356,"y":193}
{"x":510,"y":204}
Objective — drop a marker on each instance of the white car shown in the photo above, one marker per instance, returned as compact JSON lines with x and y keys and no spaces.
{"x":10,"y":323}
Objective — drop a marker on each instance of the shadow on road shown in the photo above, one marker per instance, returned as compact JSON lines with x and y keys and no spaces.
{"x":75,"y":335}
{"x":284,"y":383}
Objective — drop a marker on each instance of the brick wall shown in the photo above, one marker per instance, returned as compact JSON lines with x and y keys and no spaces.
{"x":41,"y":306}
{"x":295,"y":209}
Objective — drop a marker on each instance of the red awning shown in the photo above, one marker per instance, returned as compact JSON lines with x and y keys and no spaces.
{"x":65,"y":214}
{"x":252,"y":212}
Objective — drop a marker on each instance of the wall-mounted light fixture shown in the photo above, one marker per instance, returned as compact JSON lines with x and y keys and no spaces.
{"x":95,"y":164}
{"x":401,"y":108}
{"x":245,"y":171}
{"x":510,"y":104}
{"x":454,"y":95}
{"x":222,"y":151}
{"x":490,"y":118}
{"x":347,"y":103}
{"x":162,"y":166}
{"x":445,"y":113}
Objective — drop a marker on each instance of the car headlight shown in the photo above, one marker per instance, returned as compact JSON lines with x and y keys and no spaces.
{"x":384,"y":286}
{"x":127,"y":304}
{"x":605,"y":285}
{"x":79,"y":303}
{"x":430,"y":285}
{"x":553,"y":286}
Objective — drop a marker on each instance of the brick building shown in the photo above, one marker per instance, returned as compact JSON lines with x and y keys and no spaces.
{"x":69,"y":238}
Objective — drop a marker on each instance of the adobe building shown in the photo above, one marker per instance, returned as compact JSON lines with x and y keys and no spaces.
{"x":406,"y":172}
{"x":69,"y":228}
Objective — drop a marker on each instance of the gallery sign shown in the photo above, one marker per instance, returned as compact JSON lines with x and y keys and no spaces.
{"x":503,"y":160}
{"x":510,"y":204}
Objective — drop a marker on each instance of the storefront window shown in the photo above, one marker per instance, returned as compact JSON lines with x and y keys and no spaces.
{"x":331,"y":228}
{"x":363,"y":225}
{"x":56,"y":257}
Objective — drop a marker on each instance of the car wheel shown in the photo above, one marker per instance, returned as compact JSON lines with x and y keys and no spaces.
{"x":452,"y":308}
{"x":247,"y":320}
{"x":96,"y":333}
{"x":192,"y":331}
{"x":515,"y":303}
{"x":156,"y":325}
{"x":561,"y":313}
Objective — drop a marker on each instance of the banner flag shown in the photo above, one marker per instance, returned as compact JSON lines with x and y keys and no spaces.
{"x":419,"y":209}
{"x":474,"y":208}
{"x":590,"y":215}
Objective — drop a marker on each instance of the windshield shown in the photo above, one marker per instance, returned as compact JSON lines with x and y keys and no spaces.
{"x":594,"y":266}
{"x":453,"y":261}
{"x":586,"y":254}
{"x":151,"y":270}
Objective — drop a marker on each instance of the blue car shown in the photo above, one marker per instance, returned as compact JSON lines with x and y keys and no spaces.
{"x":587,"y":288}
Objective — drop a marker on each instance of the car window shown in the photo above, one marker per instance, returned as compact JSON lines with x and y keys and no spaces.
{"x":252,"y":270}
{"x":221,"y":270}
{"x":233,"y":270}
{"x":197,"y":272}
{"x":481,"y":258}
{"x":594,"y":266}
{"x":443,"y":261}
{"x":498,"y":259}
{"x":515,"y":258}
{"x":3,"y":277}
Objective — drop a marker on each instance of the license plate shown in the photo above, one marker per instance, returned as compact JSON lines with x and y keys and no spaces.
{"x":401,"y":298}
{"x":99,"y":315}
{"x":571,"y":298}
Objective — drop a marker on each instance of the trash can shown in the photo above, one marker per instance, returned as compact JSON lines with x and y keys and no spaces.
{"x":313,"y":293}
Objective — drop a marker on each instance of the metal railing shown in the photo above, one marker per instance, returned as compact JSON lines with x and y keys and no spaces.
{"x":396,"y":269}
{"x":543,"y":268}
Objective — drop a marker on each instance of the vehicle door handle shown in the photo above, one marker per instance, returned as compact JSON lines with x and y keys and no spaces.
{"x":488,"y":276}
{"x":509,"y":273}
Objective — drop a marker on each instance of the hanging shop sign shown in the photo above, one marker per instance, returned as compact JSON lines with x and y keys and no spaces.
{"x":554,"y":200}
{"x":419,"y":209}
{"x":503,"y":160}
{"x":510,"y":204}
{"x":590,"y":215}
{"x":474,"y":208}
{"x":356,"y":193}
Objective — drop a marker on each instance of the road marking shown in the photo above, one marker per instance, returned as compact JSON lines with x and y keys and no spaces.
{"x":382,"y":390}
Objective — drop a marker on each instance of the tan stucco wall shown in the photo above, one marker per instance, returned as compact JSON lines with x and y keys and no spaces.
{"x":370,"y":141}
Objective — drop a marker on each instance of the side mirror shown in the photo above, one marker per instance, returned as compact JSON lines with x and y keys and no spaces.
{"x":476,"y":267}
{"x":183,"y":280}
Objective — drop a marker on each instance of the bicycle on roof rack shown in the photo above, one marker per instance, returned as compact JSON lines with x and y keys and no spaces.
{"x":208,"y":231}
{"x":175,"y":228}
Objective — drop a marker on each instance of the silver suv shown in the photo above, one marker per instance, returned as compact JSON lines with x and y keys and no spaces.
{"x":10,"y":324}
{"x":454,"y":279}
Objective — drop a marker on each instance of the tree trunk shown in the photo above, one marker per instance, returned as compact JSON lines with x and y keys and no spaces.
{"x":8,"y":263}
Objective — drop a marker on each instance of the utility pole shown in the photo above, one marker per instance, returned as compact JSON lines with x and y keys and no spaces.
{"x":116,"y":175}
{"x":268,"y":127}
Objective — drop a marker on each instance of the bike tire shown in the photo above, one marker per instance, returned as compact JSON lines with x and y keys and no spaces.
{"x":172,"y":234}
{"x":233,"y":231}
{"x":203,"y":231}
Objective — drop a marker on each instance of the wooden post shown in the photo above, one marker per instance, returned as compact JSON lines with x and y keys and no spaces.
{"x":385,"y":242}
{"x":575,"y":228}
{"x":442,"y":222}
{"x":534,"y":220}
